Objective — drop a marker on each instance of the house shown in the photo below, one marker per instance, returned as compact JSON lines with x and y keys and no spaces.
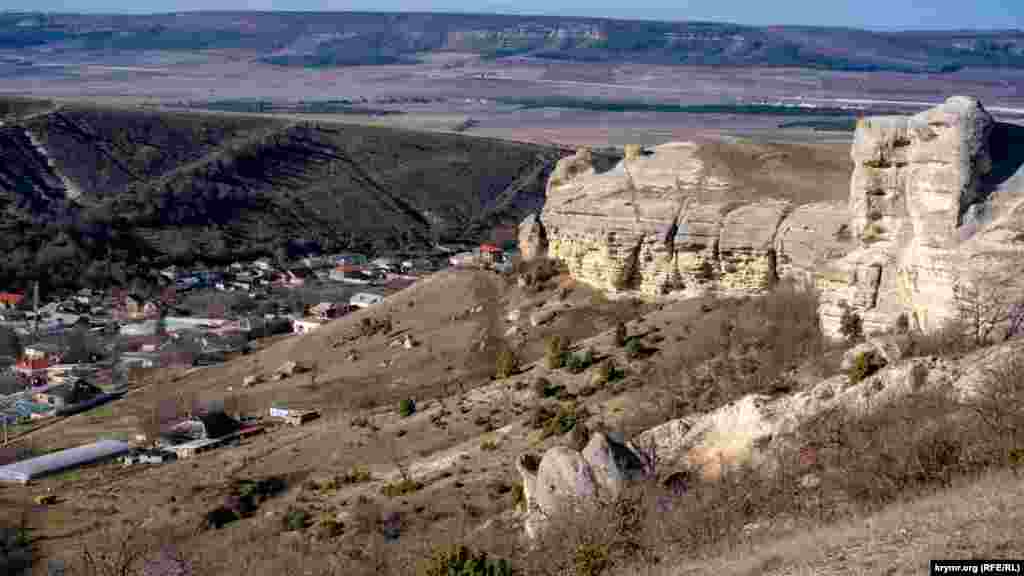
{"x":133,"y":306}
{"x":351,"y":274}
{"x":489,"y":254}
{"x":68,"y":394}
{"x":210,"y":425}
{"x":365,"y":300}
{"x":148,"y":456}
{"x":151,"y":309}
{"x":36,"y":358}
{"x":306,"y":325}
{"x":294,"y":417}
{"x":10,"y":300}
{"x":463,"y":259}
{"x":327,"y":310}
{"x":350,"y":259}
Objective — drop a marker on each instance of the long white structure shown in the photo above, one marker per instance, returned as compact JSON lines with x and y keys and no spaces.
{"x":26,"y":470}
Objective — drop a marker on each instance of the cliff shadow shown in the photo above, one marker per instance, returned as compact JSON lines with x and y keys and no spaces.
{"x":1006,"y":147}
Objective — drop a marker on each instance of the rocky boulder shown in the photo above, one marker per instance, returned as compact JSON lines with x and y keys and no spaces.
{"x":533,"y":241}
{"x":565,"y":480}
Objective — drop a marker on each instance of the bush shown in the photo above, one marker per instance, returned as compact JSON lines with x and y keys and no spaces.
{"x":401,"y":488}
{"x":554,"y":352}
{"x":407,"y":407}
{"x":506,"y":363}
{"x":461,"y":561}
{"x":606,"y":372}
{"x":634,"y":348}
{"x":543,"y":388}
{"x":850,"y":325}
{"x":621,"y":334}
{"x":864,"y":364}
{"x":563,"y":421}
{"x":296,"y":519}
{"x":580,"y":361}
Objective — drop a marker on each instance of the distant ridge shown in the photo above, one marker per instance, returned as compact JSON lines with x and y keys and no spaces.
{"x":358,"y":38}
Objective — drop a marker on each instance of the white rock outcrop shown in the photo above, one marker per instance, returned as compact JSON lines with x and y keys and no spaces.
{"x":921,"y":219}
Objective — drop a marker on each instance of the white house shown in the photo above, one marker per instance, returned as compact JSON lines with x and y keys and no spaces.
{"x":365,"y":300}
{"x":306,"y":325}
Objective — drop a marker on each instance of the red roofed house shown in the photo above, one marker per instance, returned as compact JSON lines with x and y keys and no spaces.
{"x":489,"y":254}
{"x":10,"y":299}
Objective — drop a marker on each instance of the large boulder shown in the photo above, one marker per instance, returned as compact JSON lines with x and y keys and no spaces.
{"x":614,"y":463}
{"x":533,"y":240}
{"x":566,"y":481}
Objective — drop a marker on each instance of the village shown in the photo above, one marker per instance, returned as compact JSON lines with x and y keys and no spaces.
{"x":72,"y":355}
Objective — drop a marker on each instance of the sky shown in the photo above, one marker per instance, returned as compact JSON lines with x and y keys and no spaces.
{"x":871,"y":14}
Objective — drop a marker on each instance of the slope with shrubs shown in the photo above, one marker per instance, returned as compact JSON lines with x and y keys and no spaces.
{"x":168,"y":187}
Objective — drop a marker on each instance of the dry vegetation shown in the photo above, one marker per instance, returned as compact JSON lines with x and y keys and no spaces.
{"x":415,"y":475}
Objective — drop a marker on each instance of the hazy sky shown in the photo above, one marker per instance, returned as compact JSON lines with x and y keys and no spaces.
{"x":877,"y":14}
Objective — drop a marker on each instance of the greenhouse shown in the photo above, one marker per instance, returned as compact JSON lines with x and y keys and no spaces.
{"x":27,"y":470}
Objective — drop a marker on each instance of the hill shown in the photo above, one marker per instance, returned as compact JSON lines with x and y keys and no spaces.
{"x":94,"y":194}
{"x":354,"y":38}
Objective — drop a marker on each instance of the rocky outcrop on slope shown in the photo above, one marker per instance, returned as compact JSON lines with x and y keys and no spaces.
{"x":919,"y":221}
{"x":564,"y":480}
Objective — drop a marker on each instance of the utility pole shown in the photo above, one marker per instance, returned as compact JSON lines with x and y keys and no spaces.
{"x":35,"y":307}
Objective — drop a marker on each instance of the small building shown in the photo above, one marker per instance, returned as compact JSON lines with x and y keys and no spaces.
{"x":27,"y":470}
{"x":204,"y":426}
{"x":294,"y":417}
{"x":307,"y":325}
{"x":63,"y":395}
{"x":193,"y":447}
{"x":328,"y":310}
{"x":9,"y":300}
{"x":148,"y":456}
{"x":365,"y":300}
{"x":489,"y":254}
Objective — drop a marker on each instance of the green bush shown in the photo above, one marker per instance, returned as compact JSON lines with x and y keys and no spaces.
{"x":407,"y":407}
{"x":506,"y":363}
{"x":634,"y":348}
{"x":580,"y":361}
{"x":864,"y":365}
{"x":461,"y":561}
{"x":401,"y":488}
{"x":296,"y":519}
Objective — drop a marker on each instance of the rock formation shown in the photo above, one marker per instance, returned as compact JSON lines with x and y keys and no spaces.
{"x":564,"y":480}
{"x":921,"y":218}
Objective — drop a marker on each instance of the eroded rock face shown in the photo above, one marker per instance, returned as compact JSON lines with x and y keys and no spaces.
{"x":533,"y":240}
{"x":919,"y":214}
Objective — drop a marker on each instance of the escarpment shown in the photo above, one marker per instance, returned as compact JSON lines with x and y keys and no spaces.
{"x":929,"y":203}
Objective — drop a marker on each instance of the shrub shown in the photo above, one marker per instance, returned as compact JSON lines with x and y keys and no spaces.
{"x":580,"y":361}
{"x":634,"y":348}
{"x":461,"y":561}
{"x":850,"y":325}
{"x":554,"y":352}
{"x":488,"y":445}
{"x":355,"y":475}
{"x":401,"y":488}
{"x":902,"y":324}
{"x":543,"y":388}
{"x":562,"y":422}
{"x":407,"y":407}
{"x":506,"y":363}
{"x":606,"y":372}
{"x":864,"y":365}
{"x":295,"y":519}
{"x":621,"y":334}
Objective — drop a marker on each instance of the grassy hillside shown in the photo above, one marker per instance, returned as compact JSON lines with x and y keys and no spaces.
{"x":157,"y":188}
{"x":353,"y":38}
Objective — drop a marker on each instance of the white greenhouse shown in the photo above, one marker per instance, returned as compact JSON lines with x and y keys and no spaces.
{"x":27,"y":470}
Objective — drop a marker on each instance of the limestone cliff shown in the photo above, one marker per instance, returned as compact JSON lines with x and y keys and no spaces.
{"x":920,"y":215}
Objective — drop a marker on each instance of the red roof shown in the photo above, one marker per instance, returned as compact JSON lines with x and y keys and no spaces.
{"x":489,"y":248}
{"x":349,"y":268}
{"x":10,"y":298}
